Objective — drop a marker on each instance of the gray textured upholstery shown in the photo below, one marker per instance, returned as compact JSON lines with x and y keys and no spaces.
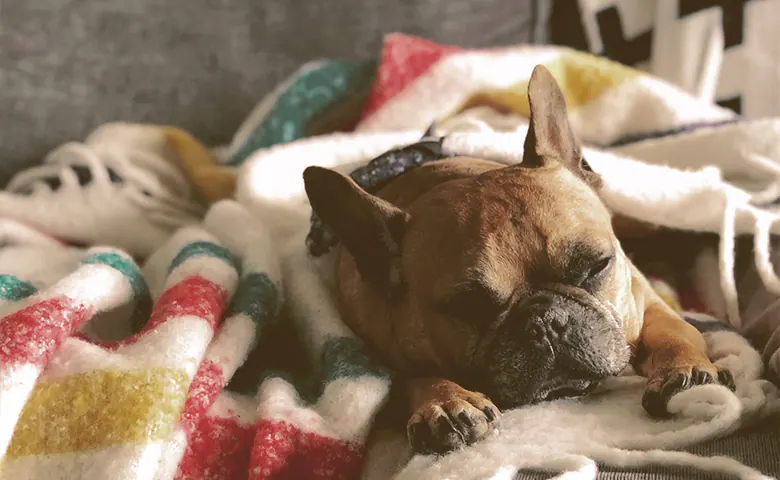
{"x":66,"y":66}
{"x":758,"y":448}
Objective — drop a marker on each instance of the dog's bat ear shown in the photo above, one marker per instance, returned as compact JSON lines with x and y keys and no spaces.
{"x":550,"y":138}
{"x":371,"y":229}
{"x":549,"y":135}
{"x":430,"y":132}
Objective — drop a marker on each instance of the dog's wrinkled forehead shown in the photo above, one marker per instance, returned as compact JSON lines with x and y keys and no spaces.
{"x":508,"y":223}
{"x":517,"y":202}
{"x":504,"y":227}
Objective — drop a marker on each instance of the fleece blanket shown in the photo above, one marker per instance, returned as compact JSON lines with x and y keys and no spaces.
{"x":152,"y":404}
{"x":666,"y":158}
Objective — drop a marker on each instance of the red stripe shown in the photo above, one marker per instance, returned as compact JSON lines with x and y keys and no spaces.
{"x":218,"y":450}
{"x":403,"y":60}
{"x":204,"y":389}
{"x":33,"y":334}
{"x":283,"y":452}
{"x":193,"y":296}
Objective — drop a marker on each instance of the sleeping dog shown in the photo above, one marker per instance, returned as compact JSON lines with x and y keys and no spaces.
{"x":488,"y":286}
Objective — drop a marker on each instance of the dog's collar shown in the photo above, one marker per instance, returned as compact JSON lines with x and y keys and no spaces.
{"x":373,"y":176}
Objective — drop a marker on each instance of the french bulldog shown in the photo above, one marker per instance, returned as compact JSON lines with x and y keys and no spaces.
{"x":488,"y":287}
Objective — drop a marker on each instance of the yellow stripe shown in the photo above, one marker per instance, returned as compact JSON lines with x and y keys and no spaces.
{"x":582,"y":77}
{"x":98,"y":409}
{"x":215,"y":182}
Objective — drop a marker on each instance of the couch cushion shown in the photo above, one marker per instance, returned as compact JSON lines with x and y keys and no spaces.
{"x":756,"y":447}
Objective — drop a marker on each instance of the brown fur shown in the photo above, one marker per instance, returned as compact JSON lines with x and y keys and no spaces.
{"x":539,"y":240}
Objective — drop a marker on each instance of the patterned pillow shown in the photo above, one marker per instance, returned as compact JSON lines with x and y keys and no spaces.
{"x":721,"y":51}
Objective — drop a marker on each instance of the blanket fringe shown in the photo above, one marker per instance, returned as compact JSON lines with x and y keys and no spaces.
{"x":619,"y":458}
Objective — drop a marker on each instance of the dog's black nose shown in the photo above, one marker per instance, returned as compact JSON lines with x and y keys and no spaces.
{"x":556,"y":319}
{"x":544,"y":319}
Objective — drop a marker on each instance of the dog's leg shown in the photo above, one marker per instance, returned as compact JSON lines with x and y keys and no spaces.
{"x":446,"y":416}
{"x":672,"y":354}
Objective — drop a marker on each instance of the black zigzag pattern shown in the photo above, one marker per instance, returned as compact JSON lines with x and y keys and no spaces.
{"x":616,"y":46}
{"x":566,"y":28}
{"x":732,"y":103}
{"x":733,"y":16}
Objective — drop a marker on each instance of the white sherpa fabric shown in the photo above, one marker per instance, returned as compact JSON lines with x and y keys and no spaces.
{"x":135,"y":408}
{"x":134,"y":199}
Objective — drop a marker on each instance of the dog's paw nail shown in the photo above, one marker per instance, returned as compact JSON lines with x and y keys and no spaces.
{"x":488,"y":411}
{"x":448,"y":424}
{"x":465,"y":419}
{"x":419,"y":436}
{"x":657,"y":396}
{"x":677,"y":382}
{"x":701,"y":377}
{"x":726,"y":379}
{"x":654,"y":404}
{"x":668,"y":383}
{"x":450,"y":435}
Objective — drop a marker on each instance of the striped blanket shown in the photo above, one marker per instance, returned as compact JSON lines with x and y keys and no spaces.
{"x":153,"y":405}
{"x":71,"y":408}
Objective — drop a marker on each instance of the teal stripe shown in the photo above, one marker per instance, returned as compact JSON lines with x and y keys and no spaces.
{"x":345,"y":357}
{"x":258,"y":298}
{"x":324,"y":98}
{"x":128,"y":268}
{"x":13,"y":289}
{"x":342,"y":358}
{"x":208,"y":249}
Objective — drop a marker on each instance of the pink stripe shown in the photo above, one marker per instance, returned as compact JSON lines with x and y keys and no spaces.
{"x":193,"y":296}
{"x":283,"y":452}
{"x":213,"y":374}
{"x":219,"y":450}
{"x":404,"y":59}
{"x":33,"y":334}
{"x":204,"y":389}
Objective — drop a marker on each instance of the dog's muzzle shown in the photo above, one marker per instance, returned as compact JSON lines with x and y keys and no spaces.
{"x":553,"y":345}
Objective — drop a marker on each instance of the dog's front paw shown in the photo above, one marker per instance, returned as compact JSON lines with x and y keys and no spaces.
{"x":666,"y":383}
{"x":445,"y":424}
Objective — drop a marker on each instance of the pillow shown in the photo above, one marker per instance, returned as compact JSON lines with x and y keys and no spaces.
{"x":724,"y":52}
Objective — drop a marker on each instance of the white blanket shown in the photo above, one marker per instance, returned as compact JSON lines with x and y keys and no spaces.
{"x":707,"y":179}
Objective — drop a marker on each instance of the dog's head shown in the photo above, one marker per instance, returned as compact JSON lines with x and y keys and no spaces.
{"x":508,"y":280}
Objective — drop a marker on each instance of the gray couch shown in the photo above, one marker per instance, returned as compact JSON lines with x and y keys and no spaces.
{"x":67,"y":66}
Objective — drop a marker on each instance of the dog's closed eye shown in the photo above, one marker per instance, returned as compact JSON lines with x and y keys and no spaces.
{"x":587,"y":264}
{"x":600,"y":265}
